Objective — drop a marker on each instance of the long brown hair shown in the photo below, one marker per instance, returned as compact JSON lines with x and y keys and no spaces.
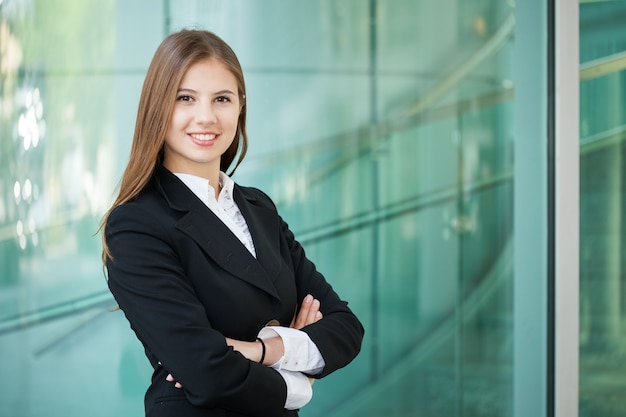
{"x":171,"y":60}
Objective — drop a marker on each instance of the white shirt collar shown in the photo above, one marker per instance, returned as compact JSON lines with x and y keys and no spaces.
{"x":202,"y":187}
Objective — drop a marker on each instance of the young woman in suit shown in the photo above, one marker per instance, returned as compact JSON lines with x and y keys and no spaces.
{"x":235,"y":320}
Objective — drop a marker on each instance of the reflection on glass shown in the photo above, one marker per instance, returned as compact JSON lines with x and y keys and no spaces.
{"x":602,"y":152}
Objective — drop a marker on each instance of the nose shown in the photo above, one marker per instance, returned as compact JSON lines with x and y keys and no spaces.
{"x":205,"y":113}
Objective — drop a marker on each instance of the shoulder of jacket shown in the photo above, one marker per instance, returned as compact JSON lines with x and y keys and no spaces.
{"x":254,"y":194}
{"x":147,"y":204}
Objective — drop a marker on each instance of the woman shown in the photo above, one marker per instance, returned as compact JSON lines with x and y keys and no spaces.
{"x":234,"y":318}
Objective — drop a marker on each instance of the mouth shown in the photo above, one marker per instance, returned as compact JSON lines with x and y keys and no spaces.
{"x":203,"y":139}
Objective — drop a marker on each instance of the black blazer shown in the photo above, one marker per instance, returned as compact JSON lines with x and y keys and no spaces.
{"x":184,"y":282}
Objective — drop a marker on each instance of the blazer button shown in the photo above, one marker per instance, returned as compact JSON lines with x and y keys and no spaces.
{"x":273,"y":322}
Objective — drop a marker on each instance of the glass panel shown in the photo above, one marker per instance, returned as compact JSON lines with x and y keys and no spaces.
{"x":383,"y":130}
{"x":602,"y":152}
{"x":57,"y":140}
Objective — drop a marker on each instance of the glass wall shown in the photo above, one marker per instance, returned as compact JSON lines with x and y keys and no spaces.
{"x":386,"y":132}
{"x":602,"y":221}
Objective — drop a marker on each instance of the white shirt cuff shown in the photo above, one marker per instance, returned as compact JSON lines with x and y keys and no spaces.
{"x":301,"y":354}
{"x":299,"y":389}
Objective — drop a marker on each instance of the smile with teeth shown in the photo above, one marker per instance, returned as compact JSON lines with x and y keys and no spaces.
{"x":203,"y":136}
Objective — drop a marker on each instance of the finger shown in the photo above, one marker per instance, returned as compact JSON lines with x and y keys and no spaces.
{"x":301,"y":318}
{"x":169,"y":378}
{"x":178,"y":385}
{"x":293,"y":320}
{"x":312,"y":314}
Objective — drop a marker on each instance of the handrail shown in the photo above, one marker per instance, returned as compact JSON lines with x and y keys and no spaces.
{"x":493,"y":44}
{"x":102,"y":299}
{"x":603,"y":66}
{"x":603,"y":140}
{"x":398,"y":208}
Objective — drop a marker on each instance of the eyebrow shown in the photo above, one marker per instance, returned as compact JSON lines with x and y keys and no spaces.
{"x":217,"y":93}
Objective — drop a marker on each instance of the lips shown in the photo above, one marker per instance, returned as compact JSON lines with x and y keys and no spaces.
{"x":203,"y":139}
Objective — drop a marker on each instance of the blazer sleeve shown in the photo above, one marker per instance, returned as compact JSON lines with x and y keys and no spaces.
{"x":149,"y":284}
{"x":339,"y":334}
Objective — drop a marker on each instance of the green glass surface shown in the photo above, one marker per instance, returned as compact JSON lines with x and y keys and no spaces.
{"x":384,"y":132}
{"x":602,"y":221}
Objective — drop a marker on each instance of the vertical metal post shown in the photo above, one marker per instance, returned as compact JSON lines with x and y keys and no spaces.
{"x":566,"y":200}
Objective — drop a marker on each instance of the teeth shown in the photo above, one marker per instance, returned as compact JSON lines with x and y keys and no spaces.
{"x":203,"y":136}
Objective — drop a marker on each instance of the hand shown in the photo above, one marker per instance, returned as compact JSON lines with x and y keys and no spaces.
{"x":309,"y":313}
{"x":170,"y":378}
{"x":178,"y":385}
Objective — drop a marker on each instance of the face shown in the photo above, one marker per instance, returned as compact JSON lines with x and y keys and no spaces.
{"x":204,"y":120}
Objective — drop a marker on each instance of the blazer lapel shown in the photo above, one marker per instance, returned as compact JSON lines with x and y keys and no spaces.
{"x":264,"y":227}
{"x":213,"y":236}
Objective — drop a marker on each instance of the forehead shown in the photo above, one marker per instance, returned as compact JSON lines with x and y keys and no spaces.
{"x":208,"y":73}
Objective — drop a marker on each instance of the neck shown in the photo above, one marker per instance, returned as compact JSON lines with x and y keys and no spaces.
{"x":215,"y":183}
{"x":210,"y":172}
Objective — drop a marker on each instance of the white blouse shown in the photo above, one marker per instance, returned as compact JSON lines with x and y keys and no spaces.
{"x":301,"y":354}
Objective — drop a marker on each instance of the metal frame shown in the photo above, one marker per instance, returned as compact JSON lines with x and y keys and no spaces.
{"x":566,"y":207}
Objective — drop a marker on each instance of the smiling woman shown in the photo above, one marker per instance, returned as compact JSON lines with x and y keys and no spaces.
{"x":199,"y":264}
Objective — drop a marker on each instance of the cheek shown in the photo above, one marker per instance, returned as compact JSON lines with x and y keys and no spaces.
{"x":235,"y":122}
{"x":177,"y":120}
{"x":230,"y":119}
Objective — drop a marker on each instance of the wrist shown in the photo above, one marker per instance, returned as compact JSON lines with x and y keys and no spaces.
{"x":274,"y":350}
{"x":263,"y":350}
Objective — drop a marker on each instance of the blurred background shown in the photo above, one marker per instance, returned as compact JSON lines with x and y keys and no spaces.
{"x":406,"y":142}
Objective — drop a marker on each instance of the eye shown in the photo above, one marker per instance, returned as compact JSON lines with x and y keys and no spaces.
{"x":184,"y":98}
{"x":222,"y":99}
